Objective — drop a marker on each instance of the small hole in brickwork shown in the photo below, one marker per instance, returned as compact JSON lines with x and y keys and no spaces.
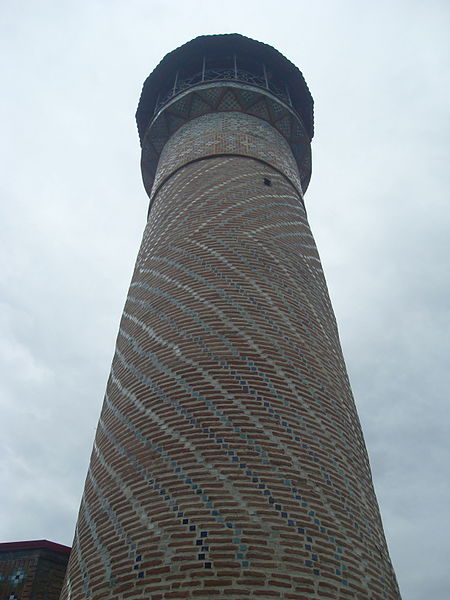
{"x":267,"y":181}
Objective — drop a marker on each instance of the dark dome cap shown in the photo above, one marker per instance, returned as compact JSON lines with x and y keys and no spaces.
{"x":192,"y":53}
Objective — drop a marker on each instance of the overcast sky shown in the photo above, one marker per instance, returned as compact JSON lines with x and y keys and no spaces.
{"x":73,"y":210}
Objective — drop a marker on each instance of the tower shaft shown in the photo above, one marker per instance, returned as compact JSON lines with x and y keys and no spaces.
{"x":229,"y":460}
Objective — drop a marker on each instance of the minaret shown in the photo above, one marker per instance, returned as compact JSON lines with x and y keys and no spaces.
{"x":229,"y":460}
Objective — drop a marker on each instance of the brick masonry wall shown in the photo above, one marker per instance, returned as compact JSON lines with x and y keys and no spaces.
{"x":229,"y":460}
{"x":31,"y":574}
{"x":227,"y":133}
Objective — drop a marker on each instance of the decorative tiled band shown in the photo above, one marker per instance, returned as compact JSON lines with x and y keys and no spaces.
{"x":222,"y":97}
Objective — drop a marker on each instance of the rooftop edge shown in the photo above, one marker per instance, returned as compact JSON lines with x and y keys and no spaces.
{"x":223,"y":44}
{"x":35,"y":544}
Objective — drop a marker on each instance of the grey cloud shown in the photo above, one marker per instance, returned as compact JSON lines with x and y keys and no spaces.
{"x":73,"y":210}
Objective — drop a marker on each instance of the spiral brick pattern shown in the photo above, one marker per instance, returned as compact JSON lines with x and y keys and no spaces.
{"x":229,"y":456}
{"x":226,"y":133}
{"x":229,"y":461}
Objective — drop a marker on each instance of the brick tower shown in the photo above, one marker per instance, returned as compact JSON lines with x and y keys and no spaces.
{"x":229,"y":460}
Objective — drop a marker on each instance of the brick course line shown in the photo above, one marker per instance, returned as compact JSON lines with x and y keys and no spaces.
{"x":329,"y":509}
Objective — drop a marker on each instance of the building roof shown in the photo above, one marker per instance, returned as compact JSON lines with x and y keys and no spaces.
{"x":217,"y":45}
{"x":34,"y":544}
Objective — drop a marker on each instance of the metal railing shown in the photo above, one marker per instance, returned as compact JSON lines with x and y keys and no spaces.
{"x":232,"y":73}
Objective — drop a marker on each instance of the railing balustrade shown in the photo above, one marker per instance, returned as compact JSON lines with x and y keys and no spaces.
{"x":234,"y":73}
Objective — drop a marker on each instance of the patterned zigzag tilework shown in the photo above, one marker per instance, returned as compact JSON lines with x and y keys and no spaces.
{"x":229,"y":460}
{"x":213,"y":98}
